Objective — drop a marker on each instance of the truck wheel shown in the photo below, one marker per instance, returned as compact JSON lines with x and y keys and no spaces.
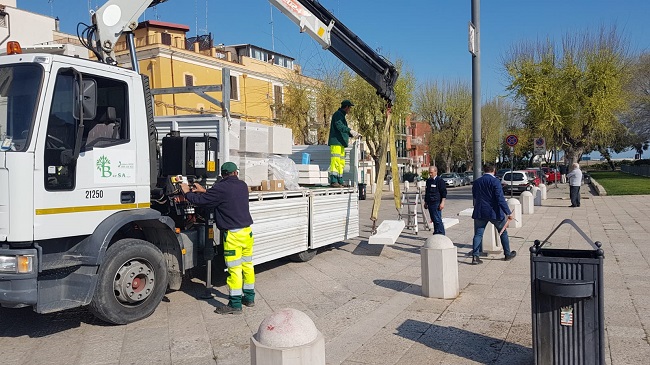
{"x":131,"y":283}
{"x":304,"y":256}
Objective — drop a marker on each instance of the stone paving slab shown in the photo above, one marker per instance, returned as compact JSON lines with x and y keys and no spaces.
{"x":366,"y":300}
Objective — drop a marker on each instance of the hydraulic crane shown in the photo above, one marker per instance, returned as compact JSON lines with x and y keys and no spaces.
{"x":120,"y":16}
{"x":87,"y":216}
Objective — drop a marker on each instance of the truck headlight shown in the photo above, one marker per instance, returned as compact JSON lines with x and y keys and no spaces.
{"x":21,"y":264}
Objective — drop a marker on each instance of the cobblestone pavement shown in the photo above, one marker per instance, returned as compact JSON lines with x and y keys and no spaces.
{"x":367,"y":301}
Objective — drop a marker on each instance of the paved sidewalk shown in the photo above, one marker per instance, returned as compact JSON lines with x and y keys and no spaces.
{"x":367,"y":301}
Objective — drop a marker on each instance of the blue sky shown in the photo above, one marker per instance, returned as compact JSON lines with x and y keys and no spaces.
{"x":430,"y":36}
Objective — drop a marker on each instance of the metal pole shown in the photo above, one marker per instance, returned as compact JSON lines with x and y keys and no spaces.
{"x":476,"y":89}
{"x":130,"y":42}
{"x":556,"y":170}
{"x":512,"y":167}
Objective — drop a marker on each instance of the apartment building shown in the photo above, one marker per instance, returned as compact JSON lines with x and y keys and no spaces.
{"x":170,"y":58}
{"x":417,"y":145}
{"x":35,"y":32}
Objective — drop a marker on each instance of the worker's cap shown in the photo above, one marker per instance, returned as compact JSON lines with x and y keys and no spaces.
{"x":229,"y":167}
{"x":345,"y":103}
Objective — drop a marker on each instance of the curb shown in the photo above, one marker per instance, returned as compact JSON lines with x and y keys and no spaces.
{"x":600,"y":191}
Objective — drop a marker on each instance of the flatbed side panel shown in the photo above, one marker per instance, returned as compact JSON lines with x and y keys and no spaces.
{"x":334,"y":216}
{"x":281,"y":226}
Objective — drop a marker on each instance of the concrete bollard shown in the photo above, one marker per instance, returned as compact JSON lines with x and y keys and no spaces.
{"x":491,"y":239}
{"x":515,"y":208}
{"x":439,"y":268}
{"x":537,"y":196}
{"x":287,"y":337}
{"x":407,"y":186}
{"x":527,"y":206}
{"x":542,"y":188}
{"x":373,"y":188}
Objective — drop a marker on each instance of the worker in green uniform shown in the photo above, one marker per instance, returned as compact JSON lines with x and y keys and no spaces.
{"x":338,"y":140}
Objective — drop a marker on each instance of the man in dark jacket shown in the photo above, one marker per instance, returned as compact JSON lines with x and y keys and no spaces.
{"x":338,"y":140}
{"x":434,"y":199}
{"x":229,"y":197}
{"x":489,"y":206}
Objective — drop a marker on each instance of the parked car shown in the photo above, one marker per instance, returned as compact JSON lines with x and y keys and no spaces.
{"x":452,"y":179}
{"x":516,"y":181}
{"x":469,"y":177}
{"x":535,"y":176}
{"x":552,"y":175}
{"x":500,"y":172}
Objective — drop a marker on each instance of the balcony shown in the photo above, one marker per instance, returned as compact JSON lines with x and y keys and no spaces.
{"x":417,"y":141}
{"x":173,"y":42}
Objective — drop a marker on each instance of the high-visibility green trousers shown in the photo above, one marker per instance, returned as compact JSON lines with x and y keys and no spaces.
{"x":337,"y":163}
{"x":238,"y":253}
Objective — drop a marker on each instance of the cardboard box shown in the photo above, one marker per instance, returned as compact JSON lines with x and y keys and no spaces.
{"x":272,"y":185}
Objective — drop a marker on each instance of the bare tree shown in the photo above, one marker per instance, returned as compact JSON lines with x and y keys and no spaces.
{"x":447,"y":106}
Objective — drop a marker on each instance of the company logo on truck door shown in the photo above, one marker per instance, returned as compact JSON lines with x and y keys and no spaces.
{"x":115,"y":166}
{"x":104,"y":166}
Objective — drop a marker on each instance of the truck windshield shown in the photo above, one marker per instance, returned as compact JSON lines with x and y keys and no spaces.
{"x":20,"y":87}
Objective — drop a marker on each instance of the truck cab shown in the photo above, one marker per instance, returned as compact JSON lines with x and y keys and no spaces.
{"x":74,"y":170}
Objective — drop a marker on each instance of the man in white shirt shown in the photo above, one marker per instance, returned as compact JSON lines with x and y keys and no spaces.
{"x":575,"y":180}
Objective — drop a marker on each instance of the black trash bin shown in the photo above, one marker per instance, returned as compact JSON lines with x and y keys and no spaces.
{"x":362,"y":191}
{"x":567,"y":303}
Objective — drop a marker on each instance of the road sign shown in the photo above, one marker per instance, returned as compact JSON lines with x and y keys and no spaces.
{"x":471,"y":41}
{"x":512,"y":140}
{"x":540,"y":146}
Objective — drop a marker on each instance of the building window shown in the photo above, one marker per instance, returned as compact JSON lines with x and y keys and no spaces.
{"x":234,"y":88}
{"x":166,"y":39}
{"x":189,"y":80}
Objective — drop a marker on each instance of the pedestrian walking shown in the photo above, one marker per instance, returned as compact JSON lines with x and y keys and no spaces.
{"x":563,"y":171}
{"x":434,"y":199}
{"x":339,"y":135}
{"x":489,"y":207}
{"x":229,"y":197}
{"x":575,"y":181}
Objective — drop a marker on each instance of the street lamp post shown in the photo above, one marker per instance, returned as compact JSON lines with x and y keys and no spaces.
{"x":475,"y":49}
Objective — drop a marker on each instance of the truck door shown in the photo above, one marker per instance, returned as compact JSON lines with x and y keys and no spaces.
{"x":72,"y":197}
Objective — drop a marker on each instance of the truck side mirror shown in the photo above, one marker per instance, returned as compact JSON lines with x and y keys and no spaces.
{"x":88,"y":99}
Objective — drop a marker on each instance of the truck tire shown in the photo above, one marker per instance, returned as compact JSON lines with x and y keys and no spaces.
{"x":131,"y":283}
{"x":304,"y":256}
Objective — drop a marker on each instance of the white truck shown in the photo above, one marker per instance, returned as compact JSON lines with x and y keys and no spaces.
{"x":90,"y":212}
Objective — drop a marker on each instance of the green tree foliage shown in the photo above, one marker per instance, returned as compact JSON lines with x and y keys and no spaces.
{"x":447,"y":106}
{"x":328,"y":100}
{"x":572,"y":91}
{"x":294,"y":113}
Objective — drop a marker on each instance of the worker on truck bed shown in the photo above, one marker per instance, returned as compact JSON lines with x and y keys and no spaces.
{"x":229,"y":197}
{"x":338,"y":140}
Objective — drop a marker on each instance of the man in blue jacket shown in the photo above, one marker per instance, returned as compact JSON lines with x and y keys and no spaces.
{"x":489,"y":206}
{"x":229,"y":198}
{"x":434,"y":199}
